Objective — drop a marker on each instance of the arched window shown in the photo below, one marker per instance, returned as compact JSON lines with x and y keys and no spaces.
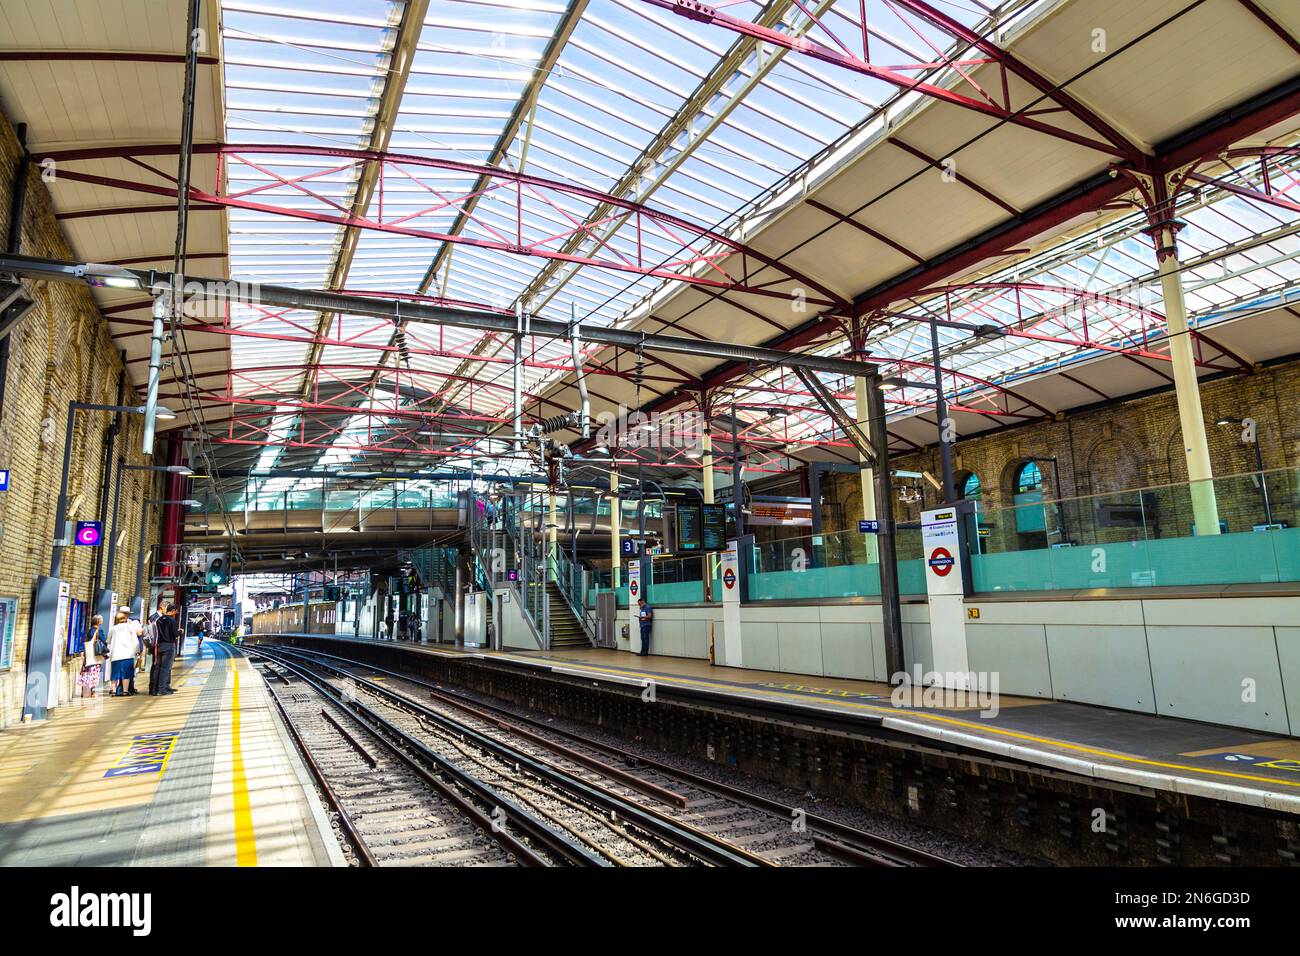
{"x":971,"y":487}
{"x":1029,"y":478}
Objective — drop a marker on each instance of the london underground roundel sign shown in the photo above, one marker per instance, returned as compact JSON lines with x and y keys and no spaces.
{"x":634,"y":587}
{"x":941,"y":561}
{"x":729,"y":578}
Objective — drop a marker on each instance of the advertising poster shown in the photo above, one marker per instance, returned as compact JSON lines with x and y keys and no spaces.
{"x":8,"y":620}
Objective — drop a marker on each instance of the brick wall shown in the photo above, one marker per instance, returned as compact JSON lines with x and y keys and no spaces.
{"x":1125,"y":445}
{"x":61,"y":352}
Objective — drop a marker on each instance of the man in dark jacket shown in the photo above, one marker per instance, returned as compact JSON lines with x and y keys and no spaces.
{"x":160,"y":676}
{"x":646,"y":617}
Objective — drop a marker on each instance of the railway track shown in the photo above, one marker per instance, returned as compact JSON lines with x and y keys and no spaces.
{"x":389,"y":807}
{"x":573,"y":821}
{"x":765,"y":831}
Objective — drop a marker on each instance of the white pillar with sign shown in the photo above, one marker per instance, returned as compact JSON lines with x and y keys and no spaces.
{"x":945,"y":586}
{"x":727,"y":651}
{"x":633,"y":612}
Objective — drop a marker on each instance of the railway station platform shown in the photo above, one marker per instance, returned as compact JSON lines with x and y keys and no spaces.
{"x":1113,"y":747}
{"x":202,"y":777}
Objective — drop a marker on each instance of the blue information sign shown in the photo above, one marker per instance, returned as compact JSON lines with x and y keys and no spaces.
{"x":869,"y":527}
{"x":88,"y":533}
{"x":4,"y":479}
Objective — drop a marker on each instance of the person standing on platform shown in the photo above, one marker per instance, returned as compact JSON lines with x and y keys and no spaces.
{"x":122,"y":647}
{"x":149,"y":640}
{"x":160,"y":678}
{"x":138,"y":630}
{"x":646,"y":616}
{"x":92,"y":655}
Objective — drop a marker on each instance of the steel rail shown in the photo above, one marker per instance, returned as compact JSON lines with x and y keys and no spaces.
{"x":358,"y":843}
{"x":534,"y":828}
{"x":843,"y":834}
{"x":686,"y":838}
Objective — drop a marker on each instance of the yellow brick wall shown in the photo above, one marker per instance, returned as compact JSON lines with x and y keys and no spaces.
{"x":61,"y":352}
{"x":1131,"y":444}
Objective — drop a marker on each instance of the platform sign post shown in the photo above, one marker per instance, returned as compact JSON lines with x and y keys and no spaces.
{"x":945,"y":585}
{"x":45,"y":647}
{"x":634,"y":591}
{"x":728,"y":654}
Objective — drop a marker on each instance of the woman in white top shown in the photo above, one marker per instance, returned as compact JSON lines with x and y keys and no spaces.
{"x":123,"y":645}
{"x":90,"y":662}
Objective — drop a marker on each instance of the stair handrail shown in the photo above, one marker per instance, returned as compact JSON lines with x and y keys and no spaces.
{"x":504,"y":529}
{"x":571,"y":581}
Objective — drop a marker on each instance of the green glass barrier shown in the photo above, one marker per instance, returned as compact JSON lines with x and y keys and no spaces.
{"x":677,"y":592}
{"x":847,"y":580}
{"x":1250,"y":557}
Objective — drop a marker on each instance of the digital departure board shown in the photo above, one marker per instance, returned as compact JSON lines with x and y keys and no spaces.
{"x":715,"y":527}
{"x":689,"y":531}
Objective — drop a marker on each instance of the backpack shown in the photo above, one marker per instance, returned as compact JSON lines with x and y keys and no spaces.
{"x":150,"y":634}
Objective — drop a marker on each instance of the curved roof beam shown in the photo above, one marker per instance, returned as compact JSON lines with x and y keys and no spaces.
{"x":995,"y":104}
{"x":700,"y":264}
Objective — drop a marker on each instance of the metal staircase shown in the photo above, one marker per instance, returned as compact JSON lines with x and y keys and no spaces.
{"x":566,"y":629}
{"x":511,"y":550}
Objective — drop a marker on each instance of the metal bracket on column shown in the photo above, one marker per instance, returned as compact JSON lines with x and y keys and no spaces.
{"x":832,"y":407}
{"x":162,"y":306}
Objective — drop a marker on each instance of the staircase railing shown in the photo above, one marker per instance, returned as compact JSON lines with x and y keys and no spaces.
{"x":573,"y":582}
{"x":507,"y":554}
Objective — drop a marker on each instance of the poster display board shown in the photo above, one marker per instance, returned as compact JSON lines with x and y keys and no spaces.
{"x":8,"y":622}
{"x":727,"y":651}
{"x":634,"y":593}
{"x":945,"y":586}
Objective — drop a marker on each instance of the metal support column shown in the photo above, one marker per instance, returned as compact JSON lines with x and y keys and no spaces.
{"x":1191,"y":418}
{"x":103,"y":602}
{"x":946,"y":431}
{"x":737,"y":498}
{"x":105,"y":486}
{"x":615,"y":522}
{"x":890,"y":600}
{"x":866,"y":469}
{"x":61,"y":504}
{"x":552,"y":532}
{"x":156,"y":336}
{"x":706,"y":462}
{"x":706,"y":481}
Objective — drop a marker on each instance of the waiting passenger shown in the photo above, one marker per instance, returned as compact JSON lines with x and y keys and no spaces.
{"x":92,"y":656}
{"x":122,"y":647}
{"x":646,"y":617}
{"x":168,"y":631}
{"x":140,"y":661}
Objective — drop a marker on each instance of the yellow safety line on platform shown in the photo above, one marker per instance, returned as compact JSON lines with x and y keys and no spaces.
{"x":896,"y":712}
{"x":245,"y":845}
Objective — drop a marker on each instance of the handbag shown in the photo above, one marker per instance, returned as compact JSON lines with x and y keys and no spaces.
{"x":101,"y":649}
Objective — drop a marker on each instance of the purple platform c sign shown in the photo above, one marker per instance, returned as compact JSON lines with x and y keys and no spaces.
{"x":88,"y":533}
